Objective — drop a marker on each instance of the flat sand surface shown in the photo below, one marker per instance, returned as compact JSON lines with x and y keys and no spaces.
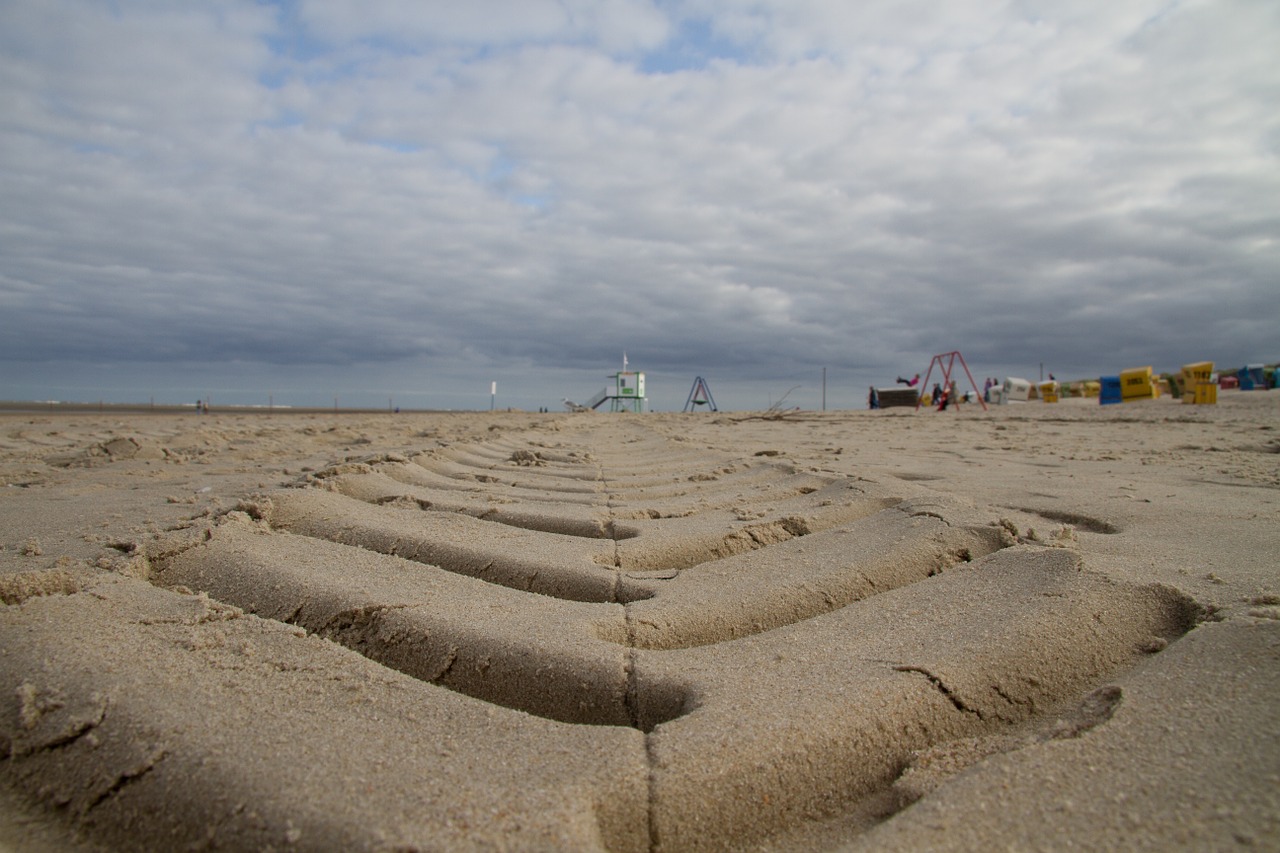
{"x":1039,"y":627}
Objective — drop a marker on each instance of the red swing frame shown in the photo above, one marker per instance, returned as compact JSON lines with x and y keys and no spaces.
{"x":946,"y":368}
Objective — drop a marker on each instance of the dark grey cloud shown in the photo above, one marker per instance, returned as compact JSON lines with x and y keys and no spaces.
{"x":318,"y":195}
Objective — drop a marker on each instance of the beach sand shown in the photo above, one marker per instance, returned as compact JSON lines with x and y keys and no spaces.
{"x":1043,"y":626}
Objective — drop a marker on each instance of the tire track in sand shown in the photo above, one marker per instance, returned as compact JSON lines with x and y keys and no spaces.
{"x":736,"y":645}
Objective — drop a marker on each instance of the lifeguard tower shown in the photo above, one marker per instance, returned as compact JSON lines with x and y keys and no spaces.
{"x":627,"y":394}
{"x":628,"y":390}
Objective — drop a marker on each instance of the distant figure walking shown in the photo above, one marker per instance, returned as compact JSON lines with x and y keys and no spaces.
{"x":873,"y":399}
{"x":910,"y":383}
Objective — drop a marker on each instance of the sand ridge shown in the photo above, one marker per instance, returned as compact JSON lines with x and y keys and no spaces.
{"x":709,"y":632}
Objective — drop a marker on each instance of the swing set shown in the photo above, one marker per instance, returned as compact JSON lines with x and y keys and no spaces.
{"x":699,"y":395}
{"x":946,"y":363}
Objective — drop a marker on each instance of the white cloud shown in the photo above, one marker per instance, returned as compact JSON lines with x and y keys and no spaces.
{"x":613,"y":25}
{"x":851,"y":184}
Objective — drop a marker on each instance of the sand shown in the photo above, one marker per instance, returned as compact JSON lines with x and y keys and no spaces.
{"x":1039,"y":627}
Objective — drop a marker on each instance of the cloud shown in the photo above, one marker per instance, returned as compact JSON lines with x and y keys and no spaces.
{"x":612,"y":25}
{"x":745,"y":189}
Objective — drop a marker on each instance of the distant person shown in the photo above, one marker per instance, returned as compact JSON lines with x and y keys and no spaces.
{"x":948,"y":397}
{"x":873,"y":399}
{"x":910,"y":383}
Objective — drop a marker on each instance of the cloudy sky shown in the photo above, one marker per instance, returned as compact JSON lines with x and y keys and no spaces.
{"x":314,"y":199}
